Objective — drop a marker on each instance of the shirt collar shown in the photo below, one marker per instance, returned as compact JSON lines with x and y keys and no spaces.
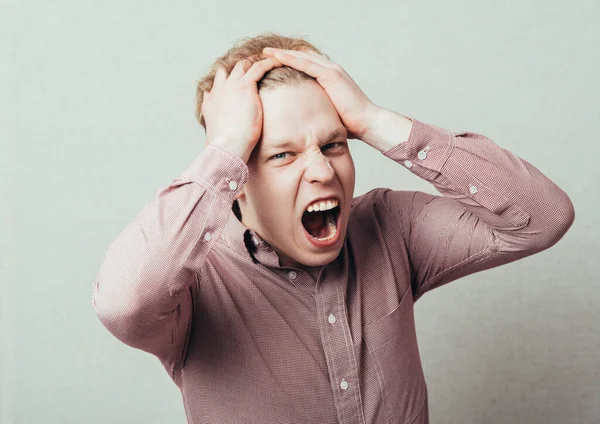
{"x":247,"y":242}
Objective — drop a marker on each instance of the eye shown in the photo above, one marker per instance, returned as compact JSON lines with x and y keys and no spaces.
{"x":331,"y":144}
{"x":276,"y":156}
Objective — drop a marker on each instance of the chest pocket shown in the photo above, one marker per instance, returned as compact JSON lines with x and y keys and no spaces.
{"x":392,"y":343}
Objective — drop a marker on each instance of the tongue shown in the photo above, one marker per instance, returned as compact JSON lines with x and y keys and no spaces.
{"x":314,"y":222}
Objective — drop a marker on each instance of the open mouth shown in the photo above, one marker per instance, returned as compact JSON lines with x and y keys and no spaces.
{"x":322,"y":225}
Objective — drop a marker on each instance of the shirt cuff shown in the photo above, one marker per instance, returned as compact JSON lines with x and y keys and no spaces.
{"x":218,"y":170}
{"x":425,"y":141}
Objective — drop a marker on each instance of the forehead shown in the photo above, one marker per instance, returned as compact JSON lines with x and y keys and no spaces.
{"x":285,"y":143}
{"x":293,"y":113}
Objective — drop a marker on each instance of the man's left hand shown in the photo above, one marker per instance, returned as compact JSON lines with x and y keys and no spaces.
{"x":355,"y":109}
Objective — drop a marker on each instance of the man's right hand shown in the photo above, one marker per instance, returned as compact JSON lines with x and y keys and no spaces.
{"x":232,"y":109}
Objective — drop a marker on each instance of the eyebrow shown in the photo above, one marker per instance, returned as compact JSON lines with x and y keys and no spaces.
{"x":340,"y":132}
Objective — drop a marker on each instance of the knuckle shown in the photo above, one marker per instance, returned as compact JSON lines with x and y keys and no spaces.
{"x":268,"y":62}
{"x":334,"y":71}
{"x":262,"y":64}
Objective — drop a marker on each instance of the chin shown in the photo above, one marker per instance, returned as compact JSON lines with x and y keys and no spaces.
{"x":324,"y":260}
{"x":321,"y":258}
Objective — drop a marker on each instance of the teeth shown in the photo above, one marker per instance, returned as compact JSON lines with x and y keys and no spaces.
{"x":331,"y":225}
{"x":323,"y":206}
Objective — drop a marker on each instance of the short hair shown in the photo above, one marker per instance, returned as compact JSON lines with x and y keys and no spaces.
{"x":251,"y":48}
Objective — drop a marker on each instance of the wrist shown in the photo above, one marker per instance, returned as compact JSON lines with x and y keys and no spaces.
{"x":232,"y":147}
{"x":386,"y":129}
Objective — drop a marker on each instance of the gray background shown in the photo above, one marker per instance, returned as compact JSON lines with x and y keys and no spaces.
{"x":97,"y":114}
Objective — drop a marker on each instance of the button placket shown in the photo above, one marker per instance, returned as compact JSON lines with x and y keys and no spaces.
{"x":339,"y":354}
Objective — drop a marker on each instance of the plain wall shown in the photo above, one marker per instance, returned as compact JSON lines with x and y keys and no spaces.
{"x":97,"y":113}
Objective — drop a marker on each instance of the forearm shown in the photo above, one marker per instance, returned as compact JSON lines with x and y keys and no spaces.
{"x":496,"y":207}
{"x":505,"y":191}
{"x":386,"y":129}
{"x":149,"y":269}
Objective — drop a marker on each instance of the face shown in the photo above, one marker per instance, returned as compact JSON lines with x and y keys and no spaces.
{"x":284,"y":180}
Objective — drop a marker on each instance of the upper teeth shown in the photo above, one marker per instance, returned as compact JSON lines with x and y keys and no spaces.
{"x":323,"y":205}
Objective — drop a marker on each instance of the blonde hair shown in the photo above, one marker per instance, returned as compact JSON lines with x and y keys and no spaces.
{"x":251,"y":48}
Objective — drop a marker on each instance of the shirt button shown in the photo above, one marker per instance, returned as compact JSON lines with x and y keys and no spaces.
{"x":292,"y":275}
{"x":331,"y":319}
{"x":207,"y":236}
{"x":422,"y":154}
{"x":232,"y":185}
{"x":472,"y":189}
{"x":344,"y":384}
{"x":408,"y":164}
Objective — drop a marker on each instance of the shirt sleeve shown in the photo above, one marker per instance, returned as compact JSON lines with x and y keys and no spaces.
{"x":144,"y":291}
{"x":495,"y":207}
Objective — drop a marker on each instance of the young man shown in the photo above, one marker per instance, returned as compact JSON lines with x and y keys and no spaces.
{"x":298,"y":308}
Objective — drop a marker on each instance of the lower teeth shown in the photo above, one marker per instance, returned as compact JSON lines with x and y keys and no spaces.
{"x":331,"y":226}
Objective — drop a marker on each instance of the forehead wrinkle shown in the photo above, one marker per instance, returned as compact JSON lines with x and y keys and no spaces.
{"x":288,"y":143}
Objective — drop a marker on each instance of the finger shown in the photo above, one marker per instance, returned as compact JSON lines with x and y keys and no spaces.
{"x":239,"y":69}
{"x":220,"y":75}
{"x":320,"y":56}
{"x":315,"y":54}
{"x":307,"y":65}
{"x":204,"y":100}
{"x":260,"y":68}
{"x":306,"y":54}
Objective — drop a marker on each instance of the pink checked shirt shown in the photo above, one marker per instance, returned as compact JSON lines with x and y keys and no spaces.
{"x":249,"y":341}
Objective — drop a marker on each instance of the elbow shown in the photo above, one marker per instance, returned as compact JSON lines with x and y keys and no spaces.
{"x":117,"y":317}
{"x":560,"y":219}
{"x":564,"y":218}
{"x":544,"y":230}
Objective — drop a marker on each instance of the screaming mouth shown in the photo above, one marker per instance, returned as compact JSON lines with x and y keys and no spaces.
{"x":321,"y":225}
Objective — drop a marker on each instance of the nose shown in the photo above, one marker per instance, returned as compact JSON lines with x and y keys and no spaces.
{"x":318,"y":168}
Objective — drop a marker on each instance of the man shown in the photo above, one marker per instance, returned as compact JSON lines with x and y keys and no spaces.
{"x":299,"y":307}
